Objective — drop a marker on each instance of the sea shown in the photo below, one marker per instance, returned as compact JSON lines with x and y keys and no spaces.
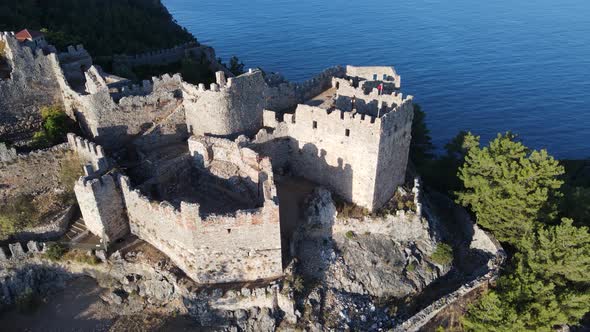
{"x":483,"y":66}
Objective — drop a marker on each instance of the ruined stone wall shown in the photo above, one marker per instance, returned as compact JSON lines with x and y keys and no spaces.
{"x":101,"y":204}
{"x":156,"y":107}
{"x":346,"y":88}
{"x":74,"y":62}
{"x":374,"y":73}
{"x":219,"y":248}
{"x":394,"y":149}
{"x":170,"y":55}
{"x":89,"y":153}
{"x":239,"y":246}
{"x":32,"y":84}
{"x":283,"y":95}
{"x":227,"y":108}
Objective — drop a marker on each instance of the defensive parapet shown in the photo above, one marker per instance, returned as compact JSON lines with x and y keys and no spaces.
{"x":74,"y":62}
{"x":375,"y":73}
{"x":360,"y":156}
{"x":212,"y":248}
{"x":92,"y":154}
{"x":230,"y":106}
{"x":283,"y":95}
{"x":25,"y":68}
{"x":102,"y":207}
{"x":170,"y":55}
{"x":114,"y":118}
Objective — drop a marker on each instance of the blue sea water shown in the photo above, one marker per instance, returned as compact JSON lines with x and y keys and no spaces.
{"x":484,"y":66}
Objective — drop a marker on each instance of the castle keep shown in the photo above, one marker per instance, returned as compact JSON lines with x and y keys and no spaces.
{"x":191,"y":169}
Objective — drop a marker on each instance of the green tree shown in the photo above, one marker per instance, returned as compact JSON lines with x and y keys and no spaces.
{"x":508,"y":187}
{"x":236,"y":66}
{"x":491,"y":314}
{"x":560,"y":253}
{"x":547,"y":284}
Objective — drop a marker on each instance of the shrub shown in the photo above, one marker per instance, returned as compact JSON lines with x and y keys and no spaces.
{"x":443,"y":254}
{"x":350,"y":210}
{"x":55,"y":251}
{"x":411,"y":267}
{"x":17,"y":214}
{"x":54,"y":128}
{"x":349,"y":235}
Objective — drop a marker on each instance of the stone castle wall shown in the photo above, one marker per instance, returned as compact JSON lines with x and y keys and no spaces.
{"x":102,"y":207}
{"x":90,"y":154}
{"x":337,"y":149}
{"x":170,"y":55}
{"x":283,"y":95}
{"x":218,"y":248}
{"x":156,"y":106}
{"x":32,"y":84}
{"x":74,"y":62}
{"x":375,"y":73}
{"x":394,"y":149}
{"x":229,"y":108}
{"x":244,"y":245}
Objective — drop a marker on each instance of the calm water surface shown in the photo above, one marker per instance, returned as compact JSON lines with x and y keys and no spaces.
{"x":485,"y":66}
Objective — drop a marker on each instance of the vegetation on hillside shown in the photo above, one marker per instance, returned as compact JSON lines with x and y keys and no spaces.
{"x":55,"y":126}
{"x":105,"y":27}
{"x":518,"y":194}
{"x":191,"y":70}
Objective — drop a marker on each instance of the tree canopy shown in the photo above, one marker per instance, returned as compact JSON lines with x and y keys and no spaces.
{"x":105,"y":27}
{"x":508,"y":186}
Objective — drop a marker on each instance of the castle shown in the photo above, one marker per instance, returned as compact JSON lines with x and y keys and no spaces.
{"x":191,"y":169}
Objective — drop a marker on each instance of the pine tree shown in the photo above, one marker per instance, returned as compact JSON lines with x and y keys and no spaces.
{"x":507,"y":186}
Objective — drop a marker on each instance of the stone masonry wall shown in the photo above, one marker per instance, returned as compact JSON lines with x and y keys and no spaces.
{"x":90,"y":153}
{"x":101,"y":204}
{"x":336,"y":149}
{"x":170,"y":55}
{"x":32,"y":84}
{"x":220,"y":248}
{"x":374,"y":73}
{"x":113,"y":123}
{"x":242,"y":246}
{"x":394,"y":149}
{"x":282,"y":95}
{"x":229,"y":108}
{"x":74,"y":62}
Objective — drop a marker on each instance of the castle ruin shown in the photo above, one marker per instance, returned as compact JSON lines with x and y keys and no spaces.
{"x":190,"y":168}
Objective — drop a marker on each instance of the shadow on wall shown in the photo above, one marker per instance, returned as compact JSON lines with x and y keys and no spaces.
{"x":309,"y":162}
{"x":312,"y":164}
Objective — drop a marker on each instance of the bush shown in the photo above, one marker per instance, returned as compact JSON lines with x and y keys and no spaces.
{"x":350,"y":210}
{"x":17,"y":214}
{"x":349,"y":235}
{"x":56,"y":124}
{"x":443,"y":254}
{"x":55,"y":251}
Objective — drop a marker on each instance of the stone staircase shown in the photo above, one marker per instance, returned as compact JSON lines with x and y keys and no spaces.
{"x":76,"y":232}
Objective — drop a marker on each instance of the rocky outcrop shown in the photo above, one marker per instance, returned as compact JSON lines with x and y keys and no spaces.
{"x":382,"y":257}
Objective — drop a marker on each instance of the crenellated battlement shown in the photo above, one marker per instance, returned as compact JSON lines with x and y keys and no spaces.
{"x":385,"y":74}
{"x":92,"y":154}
